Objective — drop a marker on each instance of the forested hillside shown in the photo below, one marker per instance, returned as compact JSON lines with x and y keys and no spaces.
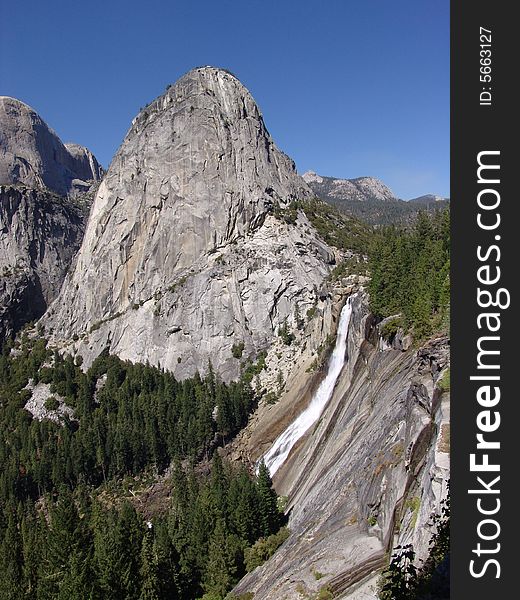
{"x":68,"y":522}
{"x":410,"y":274}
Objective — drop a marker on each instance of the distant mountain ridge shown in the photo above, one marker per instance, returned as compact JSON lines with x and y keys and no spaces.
{"x":369,"y":199}
{"x":428,"y":199}
{"x":360,"y":189}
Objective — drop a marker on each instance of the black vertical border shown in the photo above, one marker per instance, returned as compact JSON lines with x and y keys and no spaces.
{"x":476,"y":128}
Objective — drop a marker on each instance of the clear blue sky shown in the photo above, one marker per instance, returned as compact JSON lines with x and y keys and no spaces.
{"x":347,"y":87}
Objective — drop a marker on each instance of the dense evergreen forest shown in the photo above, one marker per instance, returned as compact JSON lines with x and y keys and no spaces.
{"x":410,"y":275}
{"x":68,"y":530}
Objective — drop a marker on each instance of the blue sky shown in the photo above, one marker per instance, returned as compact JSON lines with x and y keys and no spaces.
{"x":347,"y":88}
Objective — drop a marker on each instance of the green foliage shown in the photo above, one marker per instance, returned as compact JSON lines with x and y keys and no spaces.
{"x":51,"y":403}
{"x":403,"y":580}
{"x":390,"y":328}
{"x":399,"y":581}
{"x":286,"y":335}
{"x":98,"y":324}
{"x":413,"y":505}
{"x":288,"y":214}
{"x":325,"y":593}
{"x":264,"y":548}
{"x":271,"y":398}
{"x":252,"y":369}
{"x":280,"y":381}
{"x":350,"y":266}
{"x":178,"y":284}
{"x":335,"y":227}
{"x":311,"y":312}
{"x":298,"y":319}
{"x":269,"y":516}
{"x":237,"y":349}
{"x":444,"y":384}
{"x":410,"y":274}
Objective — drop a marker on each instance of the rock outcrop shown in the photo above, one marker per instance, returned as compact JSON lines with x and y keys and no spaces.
{"x":361,"y":189}
{"x":185,"y":254}
{"x":40,"y":233}
{"x":368,"y":475}
{"x":32,"y":154}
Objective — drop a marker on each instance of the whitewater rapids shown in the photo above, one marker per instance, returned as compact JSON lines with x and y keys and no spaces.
{"x":283,"y":444}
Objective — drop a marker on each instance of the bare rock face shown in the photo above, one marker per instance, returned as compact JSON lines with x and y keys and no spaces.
{"x":183,"y":256}
{"x":39,"y":235}
{"x":32,"y":154}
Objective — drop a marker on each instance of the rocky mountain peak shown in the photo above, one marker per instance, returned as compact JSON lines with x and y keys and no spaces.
{"x":189,"y":195}
{"x":32,"y":154}
{"x":215,"y":127}
{"x":312,"y":177}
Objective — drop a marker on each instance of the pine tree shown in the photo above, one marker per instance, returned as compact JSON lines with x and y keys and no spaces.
{"x":117,"y":543}
{"x":244,"y":506}
{"x":269,"y":515}
{"x":31,"y":543}
{"x":221,"y":568}
{"x":167,"y":563}
{"x":61,"y":542}
{"x":78,"y":582}
{"x":218,"y":488}
{"x":149,"y":571}
{"x":11,"y":561}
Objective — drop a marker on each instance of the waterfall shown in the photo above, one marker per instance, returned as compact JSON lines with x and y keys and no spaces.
{"x":282,"y":446}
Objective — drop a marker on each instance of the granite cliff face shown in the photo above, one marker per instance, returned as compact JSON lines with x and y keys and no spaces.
{"x":183,"y":256}
{"x":40,"y":233}
{"x":32,"y":154}
{"x":366,"y":477}
{"x":45,"y":189}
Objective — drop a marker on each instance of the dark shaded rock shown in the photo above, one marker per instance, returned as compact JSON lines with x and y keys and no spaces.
{"x":39,"y":235}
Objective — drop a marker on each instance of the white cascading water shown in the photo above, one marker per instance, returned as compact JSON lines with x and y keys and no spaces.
{"x":282,"y":446}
